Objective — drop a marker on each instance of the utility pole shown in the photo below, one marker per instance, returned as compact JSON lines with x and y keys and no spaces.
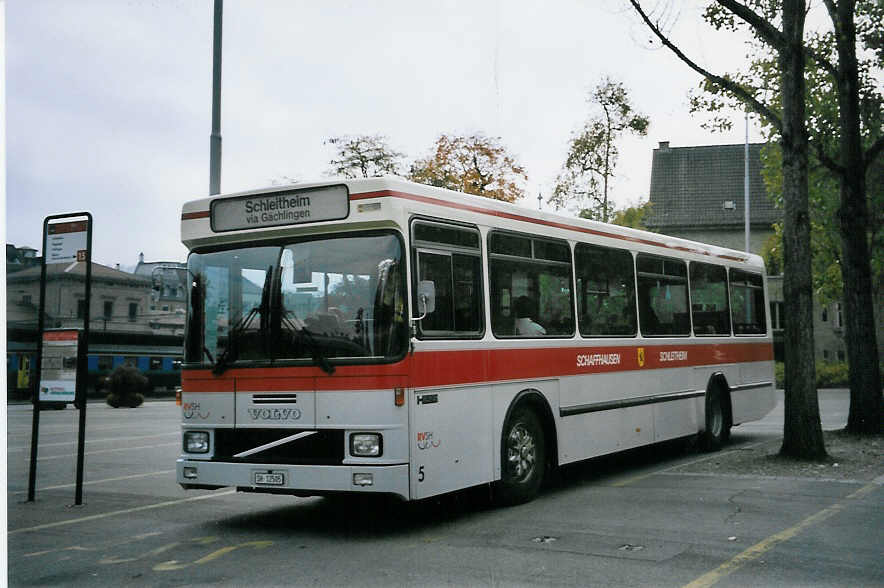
{"x":746,"y":182}
{"x":215,"y":139}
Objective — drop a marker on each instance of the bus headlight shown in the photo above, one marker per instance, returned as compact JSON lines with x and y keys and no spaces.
{"x":366,"y":445}
{"x":196,"y":441}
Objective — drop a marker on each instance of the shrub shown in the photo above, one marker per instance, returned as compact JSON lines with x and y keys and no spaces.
{"x":828,"y":374}
{"x":125,"y":387}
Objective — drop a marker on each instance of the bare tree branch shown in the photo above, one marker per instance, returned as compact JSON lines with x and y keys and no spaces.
{"x":768,"y":32}
{"x":725,"y":83}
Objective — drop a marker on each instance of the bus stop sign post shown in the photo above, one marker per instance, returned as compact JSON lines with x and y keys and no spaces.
{"x":64,"y":378}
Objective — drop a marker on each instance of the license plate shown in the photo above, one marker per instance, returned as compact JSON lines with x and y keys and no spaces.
{"x":269,"y":479}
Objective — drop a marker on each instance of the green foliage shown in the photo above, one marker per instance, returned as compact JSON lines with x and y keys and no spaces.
{"x":583,"y":183}
{"x":474,"y":164}
{"x":828,"y":374}
{"x":633,"y":216}
{"x":126,"y":386}
{"x":363,"y":156}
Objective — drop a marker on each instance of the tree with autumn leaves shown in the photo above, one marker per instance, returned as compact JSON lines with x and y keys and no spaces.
{"x":474,"y":164}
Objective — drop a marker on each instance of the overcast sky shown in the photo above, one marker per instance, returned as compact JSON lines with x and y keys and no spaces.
{"x":109,"y":103}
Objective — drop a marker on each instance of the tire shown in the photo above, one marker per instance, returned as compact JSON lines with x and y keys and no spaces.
{"x":718,"y":428}
{"x":523,"y":458}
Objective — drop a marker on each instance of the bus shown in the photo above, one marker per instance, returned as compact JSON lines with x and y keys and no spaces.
{"x":382,"y":336}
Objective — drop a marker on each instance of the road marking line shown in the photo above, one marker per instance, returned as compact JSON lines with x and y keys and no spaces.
{"x":73,"y":441}
{"x":760,"y":548}
{"x":628,"y":481}
{"x":117,"y":479}
{"x":107,"y":451}
{"x":112,"y":513}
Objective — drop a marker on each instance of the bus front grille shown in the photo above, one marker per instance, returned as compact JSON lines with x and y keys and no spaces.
{"x":325,"y":447}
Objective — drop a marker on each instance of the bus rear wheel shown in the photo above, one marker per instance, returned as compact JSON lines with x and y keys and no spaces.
{"x":718,"y":427}
{"x":523,"y":458}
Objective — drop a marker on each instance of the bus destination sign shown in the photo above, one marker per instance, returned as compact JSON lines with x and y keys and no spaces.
{"x":290,"y":207}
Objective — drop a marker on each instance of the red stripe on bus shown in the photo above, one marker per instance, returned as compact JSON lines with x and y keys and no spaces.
{"x":445,"y":368}
{"x":194,"y":215}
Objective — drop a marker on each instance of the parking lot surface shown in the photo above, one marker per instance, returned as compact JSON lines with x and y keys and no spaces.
{"x":627,"y":520}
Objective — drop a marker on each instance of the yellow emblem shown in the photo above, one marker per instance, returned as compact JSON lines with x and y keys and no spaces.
{"x":641,"y":357}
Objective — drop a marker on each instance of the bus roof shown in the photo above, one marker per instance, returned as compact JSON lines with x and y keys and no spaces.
{"x":197,"y":223}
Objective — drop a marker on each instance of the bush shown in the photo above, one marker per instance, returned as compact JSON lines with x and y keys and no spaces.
{"x":828,"y":374}
{"x":125,"y":387}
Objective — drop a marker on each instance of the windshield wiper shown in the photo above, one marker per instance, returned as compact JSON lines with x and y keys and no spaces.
{"x":297,"y":325}
{"x":229,"y":355}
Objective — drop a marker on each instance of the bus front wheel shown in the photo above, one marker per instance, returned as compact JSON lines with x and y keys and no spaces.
{"x":523,"y":458}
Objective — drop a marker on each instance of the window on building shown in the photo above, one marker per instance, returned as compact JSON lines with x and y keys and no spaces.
{"x":81,"y":309}
{"x":825,"y":355}
{"x":133,"y":311}
{"x":450,"y":257}
{"x":747,"y":303}
{"x":824,"y":316}
{"x":26,"y":299}
{"x":709,"y":304}
{"x":530,"y":286}
{"x":662,"y":295}
{"x":778,"y":315}
{"x":108,"y":309}
{"x":840,"y":355}
{"x":605,"y":291}
{"x":838,"y":317}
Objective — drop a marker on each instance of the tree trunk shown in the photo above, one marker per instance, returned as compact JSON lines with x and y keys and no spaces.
{"x":802,"y":431}
{"x":853,"y":217}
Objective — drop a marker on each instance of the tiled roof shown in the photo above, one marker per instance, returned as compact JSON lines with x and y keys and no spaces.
{"x":690,"y":185}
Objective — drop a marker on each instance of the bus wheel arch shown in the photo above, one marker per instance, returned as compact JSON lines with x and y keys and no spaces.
{"x":528,"y":448}
{"x":718,"y":414}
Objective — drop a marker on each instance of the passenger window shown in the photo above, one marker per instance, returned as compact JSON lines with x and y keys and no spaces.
{"x":450,"y":257}
{"x":747,"y":303}
{"x":709,"y":301}
{"x":605,"y":291}
{"x":530,"y":286}
{"x":662,"y":296}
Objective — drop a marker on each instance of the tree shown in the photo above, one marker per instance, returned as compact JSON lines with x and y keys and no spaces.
{"x":846,"y":128}
{"x":475,"y":164}
{"x":802,"y":430}
{"x":363,"y":156}
{"x":592,"y":152}
{"x":633,"y":216}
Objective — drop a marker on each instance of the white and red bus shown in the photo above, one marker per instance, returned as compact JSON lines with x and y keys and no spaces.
{"x":383,"y":336}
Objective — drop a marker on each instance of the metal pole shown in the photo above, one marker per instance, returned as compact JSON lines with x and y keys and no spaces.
{"x":35,"y":384}
{"x":81,"y":371}
{"x":746,"y":183}
{"x":215,"y":139}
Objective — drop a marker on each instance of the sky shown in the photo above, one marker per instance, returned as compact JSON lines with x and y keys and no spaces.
{"x":108,"y":103}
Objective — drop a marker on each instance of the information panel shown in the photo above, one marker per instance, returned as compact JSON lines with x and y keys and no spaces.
{"x":58,"y":370}
{"x":66,"y":242}
{"x":290,"y":207}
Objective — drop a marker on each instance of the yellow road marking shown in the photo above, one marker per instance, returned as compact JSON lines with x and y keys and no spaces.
{"x":117,"y":479}
{"x":752,"y":553}
{"x":171,"y":565}
{"x":113,"y":513}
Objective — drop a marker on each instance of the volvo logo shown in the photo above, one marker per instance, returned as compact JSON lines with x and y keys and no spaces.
{"x":274,"y":414}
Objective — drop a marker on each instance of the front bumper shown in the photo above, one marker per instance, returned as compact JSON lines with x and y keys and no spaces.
{"x":298,"y":479}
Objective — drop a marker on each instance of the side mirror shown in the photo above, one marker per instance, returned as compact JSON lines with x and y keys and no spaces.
{"x":426,"y":298}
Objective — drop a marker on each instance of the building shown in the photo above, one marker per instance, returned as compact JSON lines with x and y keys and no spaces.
{"x":168,"y":296}
{"x":698,"y":193}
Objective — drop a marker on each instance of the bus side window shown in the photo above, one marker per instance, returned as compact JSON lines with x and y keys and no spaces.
{"x":747,"y":303}
{"x":450,"y":257}
{"x":709,"y":300}
{"x":605,"y":291}
{"x":662,"y":295}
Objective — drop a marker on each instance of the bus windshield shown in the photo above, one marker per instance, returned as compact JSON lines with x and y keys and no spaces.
{"x":334,"y":297}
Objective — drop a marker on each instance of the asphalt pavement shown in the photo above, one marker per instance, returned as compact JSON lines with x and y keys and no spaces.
{"x":627,"y":520}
